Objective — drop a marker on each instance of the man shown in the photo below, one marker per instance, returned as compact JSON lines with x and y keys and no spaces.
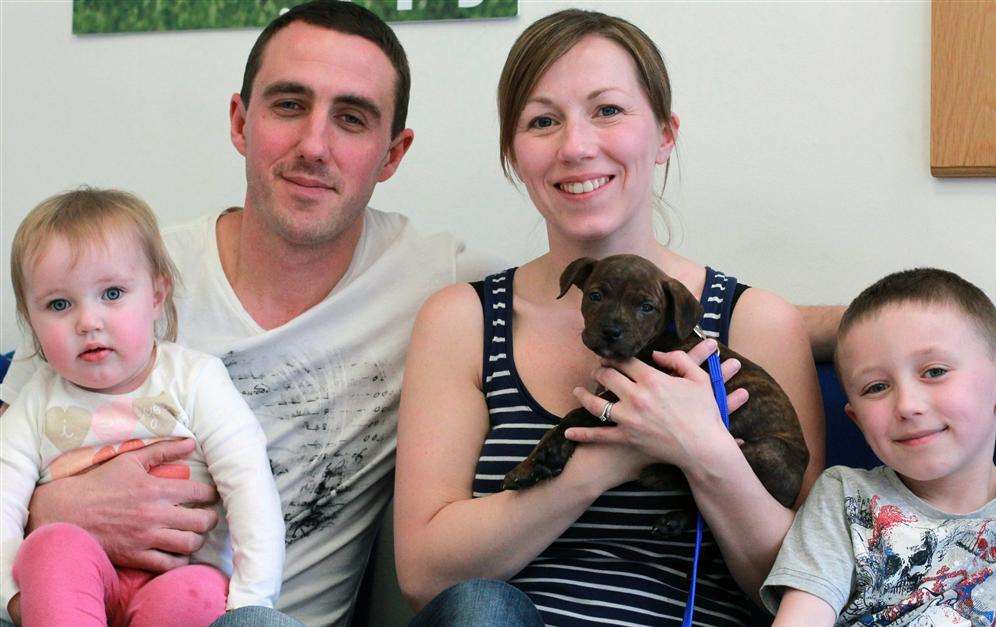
{"x":308,"y":296}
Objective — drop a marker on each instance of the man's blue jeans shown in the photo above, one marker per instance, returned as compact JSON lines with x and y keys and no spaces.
{"x":479,"y":603}
{"x":255,"y":616}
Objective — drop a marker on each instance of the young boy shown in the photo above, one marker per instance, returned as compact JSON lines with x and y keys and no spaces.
{"x":912,"y":542}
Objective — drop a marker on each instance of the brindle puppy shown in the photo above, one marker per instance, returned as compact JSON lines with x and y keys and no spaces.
{"x":631,"y":308}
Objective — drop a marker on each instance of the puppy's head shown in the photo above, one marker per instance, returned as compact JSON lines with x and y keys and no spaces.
{"x":627,"y":302}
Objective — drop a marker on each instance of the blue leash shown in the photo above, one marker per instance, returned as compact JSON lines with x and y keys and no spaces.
{"x":719,"y":391}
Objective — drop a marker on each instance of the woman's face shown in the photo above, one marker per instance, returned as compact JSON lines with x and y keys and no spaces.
{"x":587,"y":143}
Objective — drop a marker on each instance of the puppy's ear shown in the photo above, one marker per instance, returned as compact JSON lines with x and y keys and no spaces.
{"x":576,"y":273}
{"x":686,"y":309}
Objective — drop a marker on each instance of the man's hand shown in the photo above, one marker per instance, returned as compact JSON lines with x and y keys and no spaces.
{"x":138,"y":518}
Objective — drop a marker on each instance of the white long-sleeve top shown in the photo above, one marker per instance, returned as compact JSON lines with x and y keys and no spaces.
{"x":55,"y":429}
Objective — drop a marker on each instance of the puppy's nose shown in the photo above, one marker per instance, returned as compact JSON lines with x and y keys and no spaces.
{"x":611,"y":332}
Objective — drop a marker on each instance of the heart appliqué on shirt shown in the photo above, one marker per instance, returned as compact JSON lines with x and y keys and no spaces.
{"x":157,"y":414}
{"x":66,"y":427}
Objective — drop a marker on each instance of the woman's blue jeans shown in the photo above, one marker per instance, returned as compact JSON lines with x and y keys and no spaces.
{"x":479,"y":603}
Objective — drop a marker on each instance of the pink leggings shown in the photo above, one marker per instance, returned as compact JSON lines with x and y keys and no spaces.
{"x":66,"y":579}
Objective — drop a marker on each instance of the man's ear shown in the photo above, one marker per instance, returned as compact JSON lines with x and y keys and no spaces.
{"x":395,"y":153}
{"x":685,"y":308}
{"x":669,"y":132}
{"x":576,"y":273}
{"x":237,"y":117}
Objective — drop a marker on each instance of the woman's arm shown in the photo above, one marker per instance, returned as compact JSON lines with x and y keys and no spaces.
{"x":442,"y":534}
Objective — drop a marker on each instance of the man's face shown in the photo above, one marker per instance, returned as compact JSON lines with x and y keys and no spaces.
{"x":317,"y":132}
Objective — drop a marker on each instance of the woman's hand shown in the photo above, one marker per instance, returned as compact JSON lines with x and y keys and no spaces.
{"x":667,"y":417}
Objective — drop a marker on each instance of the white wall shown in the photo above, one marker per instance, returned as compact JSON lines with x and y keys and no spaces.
{"x":803,"y":154}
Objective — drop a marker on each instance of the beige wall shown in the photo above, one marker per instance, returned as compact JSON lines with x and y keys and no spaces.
{"x":803,"y":155}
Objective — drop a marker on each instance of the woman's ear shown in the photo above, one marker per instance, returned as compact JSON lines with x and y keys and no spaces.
{"x":669,"y":132}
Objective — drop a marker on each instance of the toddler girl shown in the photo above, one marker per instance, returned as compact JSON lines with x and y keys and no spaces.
{"x":93,"y":281}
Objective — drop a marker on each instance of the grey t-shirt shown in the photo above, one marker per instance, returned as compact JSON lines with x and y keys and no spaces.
{"x":879,"y":555}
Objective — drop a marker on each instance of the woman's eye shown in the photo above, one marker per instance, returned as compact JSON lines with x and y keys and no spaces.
{"x":541,"y":121}
{"x":113,"y":293}
{"x":595,"y":296}
{"x":59,"y":304}
{"x":647,"y":307}
{"x":935,"y":372}
{"x":607,"y":111}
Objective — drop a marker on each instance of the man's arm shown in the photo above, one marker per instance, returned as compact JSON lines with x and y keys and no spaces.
{"x":802,"y":608}
{"x":141,"y":520}
{"x":821,"y":322}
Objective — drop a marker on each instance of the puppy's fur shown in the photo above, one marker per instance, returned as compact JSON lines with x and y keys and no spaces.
{"x":631,"y":308}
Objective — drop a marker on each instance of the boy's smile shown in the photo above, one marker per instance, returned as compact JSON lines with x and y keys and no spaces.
{"x":921,"y":385}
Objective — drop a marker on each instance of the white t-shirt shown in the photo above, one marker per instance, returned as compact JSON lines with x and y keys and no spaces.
{"x":324,"y":386}
{"x":55,"y":429}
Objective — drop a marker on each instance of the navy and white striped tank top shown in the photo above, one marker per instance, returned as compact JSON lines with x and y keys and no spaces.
{"x":606,"y":568}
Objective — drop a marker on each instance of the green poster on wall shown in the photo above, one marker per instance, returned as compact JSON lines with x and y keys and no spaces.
{"x":117,"y":16}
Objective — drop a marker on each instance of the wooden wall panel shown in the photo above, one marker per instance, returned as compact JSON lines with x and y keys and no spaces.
{"x":963,"y":88}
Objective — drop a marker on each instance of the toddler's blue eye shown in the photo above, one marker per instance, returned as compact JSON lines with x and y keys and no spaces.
{"x":935,"y":372}
{"x":874,"y":388}
{"x":113,"y":293}
{"x":59,"y":304}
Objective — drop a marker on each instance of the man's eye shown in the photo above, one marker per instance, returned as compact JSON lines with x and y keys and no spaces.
{"x":59,"y":304}
{"x":113,"y":293}
{"x":935,"y":372}
{"x":646,"y":307}
{"x":352,"y":120}
{"x":287,"y":105}
{"x":595,"y":296}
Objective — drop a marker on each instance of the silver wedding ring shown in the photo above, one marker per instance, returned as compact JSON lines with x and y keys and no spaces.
{"x":606,"y":414}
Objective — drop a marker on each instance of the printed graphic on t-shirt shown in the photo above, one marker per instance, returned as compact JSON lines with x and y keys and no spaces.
{"x":923,"y":574}
{"x":309,"y":405}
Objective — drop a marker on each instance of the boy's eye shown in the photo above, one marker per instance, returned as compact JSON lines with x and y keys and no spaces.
{"x":113,"y":293}
{"x":874,"y":388}
{"x":59,"y":304}
{"x":935,"y":372}
{"x":608,"y":111}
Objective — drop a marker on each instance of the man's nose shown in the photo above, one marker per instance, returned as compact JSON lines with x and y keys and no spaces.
{"x":578,"y":141}
{"x":313,"y":144}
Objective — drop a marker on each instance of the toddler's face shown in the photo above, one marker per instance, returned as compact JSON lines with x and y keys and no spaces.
{"x":921,"y":385}
{"x":94,"y":316}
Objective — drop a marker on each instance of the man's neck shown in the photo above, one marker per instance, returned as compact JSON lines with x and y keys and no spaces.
{"x":276,"y":280}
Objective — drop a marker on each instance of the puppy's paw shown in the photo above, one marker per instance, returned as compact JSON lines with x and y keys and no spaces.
{"x":528,"y":473}
{"x":673,"y":524}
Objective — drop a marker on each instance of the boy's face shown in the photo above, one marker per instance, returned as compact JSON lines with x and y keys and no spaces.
{"x":921,"y":385}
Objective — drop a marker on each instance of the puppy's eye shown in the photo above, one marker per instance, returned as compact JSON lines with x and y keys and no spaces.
{"x":647,"y":306}
{"x":595,"y":296}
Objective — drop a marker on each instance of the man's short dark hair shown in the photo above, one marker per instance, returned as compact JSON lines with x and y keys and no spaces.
{"x":924,"y":286}
{"x":349,"y":19}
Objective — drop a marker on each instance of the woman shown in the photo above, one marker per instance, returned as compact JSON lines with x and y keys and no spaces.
{"x":584,"y":102}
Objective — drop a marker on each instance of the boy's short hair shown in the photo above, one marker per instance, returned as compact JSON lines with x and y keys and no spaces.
{"x":923,"y":286}
{"x":83,"y":217}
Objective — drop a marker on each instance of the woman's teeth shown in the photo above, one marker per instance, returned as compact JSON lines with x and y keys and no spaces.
{"x":583,"y":187}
